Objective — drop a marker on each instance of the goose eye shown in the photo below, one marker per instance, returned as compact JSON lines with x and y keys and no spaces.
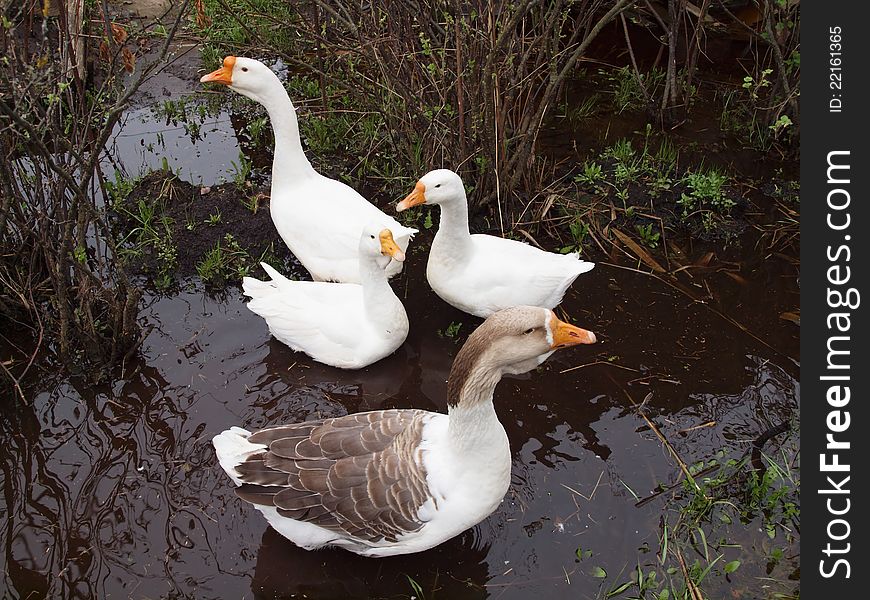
{"x":439,"y":185}
{"x":373,"y":237}
{"x":245,"y":69}
{"x":528,"y":331}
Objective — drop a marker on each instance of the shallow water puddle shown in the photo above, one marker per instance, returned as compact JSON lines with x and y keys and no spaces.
{"x":115,"y":492}
{"x":145,"y":140}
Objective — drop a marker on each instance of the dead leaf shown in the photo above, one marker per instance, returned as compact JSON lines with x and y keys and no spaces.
{"x":704,"y":260}
{"x":737,"y":277}
{"x":529,"y":237}
{"x":119,"y":34}
{"x":204,"y":190}
{"x":701,"y":426}
{"x":202,"y":19}
{"x":105,"y":56}
{"x":129,"y":59}
{"x":642,"y":254}
{"x":794,"y":317}
{"x":547,"y":205}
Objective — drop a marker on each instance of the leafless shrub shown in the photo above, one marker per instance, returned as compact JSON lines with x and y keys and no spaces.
{"x":57,"y":274}
{"x":460,"y":84}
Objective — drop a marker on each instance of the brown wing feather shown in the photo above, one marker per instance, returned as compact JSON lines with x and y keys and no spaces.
{"x":360,"y":475}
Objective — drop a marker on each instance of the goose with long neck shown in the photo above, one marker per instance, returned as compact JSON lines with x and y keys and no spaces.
{"x":404,"y":480}
{"x":479,"y":273}
{"x":319,"y":218}
{"x":346,"y":325}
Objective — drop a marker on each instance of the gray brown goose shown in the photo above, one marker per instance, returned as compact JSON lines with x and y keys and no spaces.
{"x":397,"y":481}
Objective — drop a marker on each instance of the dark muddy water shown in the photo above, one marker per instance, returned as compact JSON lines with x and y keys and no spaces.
{"x":114,"y":492}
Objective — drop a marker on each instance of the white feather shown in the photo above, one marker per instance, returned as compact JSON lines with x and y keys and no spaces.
{"x":232,"y":448}
{"x":319,"y":218}
{"x":345,"y":325}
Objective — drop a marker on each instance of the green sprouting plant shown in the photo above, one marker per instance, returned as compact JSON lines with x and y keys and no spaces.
{"x":666,"y":157}
{"x":226,"y":260}
{"x":621,"y":151}
{"x":256,"y":128}
{"x":649,"y":237}
{"x":119,"y":188}
{"x":211,"y":267}
{"x":623,"y":194}
{"x":630,"y":89}
{"x":775,"y":556}
{"x":214,"y":219}
{"x":592,"y":174}
{"x":783,"y":123}
{"x":417,"y":589}
{"x":252,"y":202}
{"x":167,"y":261}
{"x":151,"y":232}
{"x":627,"y":90}
{"x":579,"y":231}
{"x":754,"y":86}
{"x":793,"y":62}
{"x":626,"y":172}
{"x":706,"y":194}
{"x":660,"y":183}
{"x":746,"y":117}
{"x":451,"y":331}
{"x":698,"y":516}
{"x":583,"y":110}
{"x":145,"y":221}
{"x":304,"y":87}
{"x":241,"y":170}
{"x":642,"y":586}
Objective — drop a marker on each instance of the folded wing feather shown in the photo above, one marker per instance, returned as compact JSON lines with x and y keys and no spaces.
{"x":358,"y":475}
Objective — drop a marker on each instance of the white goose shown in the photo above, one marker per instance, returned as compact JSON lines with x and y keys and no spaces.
{"x":397,"y":481}
{"x":317,"y":217}
{"x":345,"y":325}
{"x":479,"y":273}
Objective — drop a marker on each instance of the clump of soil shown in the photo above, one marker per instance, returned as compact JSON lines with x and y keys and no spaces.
{"x":163,"y":212}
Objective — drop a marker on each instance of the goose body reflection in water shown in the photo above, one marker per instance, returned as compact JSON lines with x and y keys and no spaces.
{"x":391,"y":482}
{"x":286,"y":571}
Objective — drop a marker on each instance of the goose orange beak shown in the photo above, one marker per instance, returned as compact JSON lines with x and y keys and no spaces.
{"x":565,"y":334}
{"x":224,"y":75}
{"x":415,"y":198}
{"x":389,"y":247}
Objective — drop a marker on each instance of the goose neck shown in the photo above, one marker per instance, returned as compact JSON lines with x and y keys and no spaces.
{"x":379,"y":299}
{"x":453,"y":228}
{"x":473,"y":420}
{"x":289,"y":163}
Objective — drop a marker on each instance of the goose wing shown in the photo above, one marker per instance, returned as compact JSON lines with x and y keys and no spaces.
{"x":360,"y":475}
{"x":507,"y":273}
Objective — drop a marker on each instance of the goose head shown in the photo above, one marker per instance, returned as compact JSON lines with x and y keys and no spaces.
{"x":435,"y":187}
{"x":246,"y":76}
{"x":511,"y":341}
{"x":377,"y":242}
